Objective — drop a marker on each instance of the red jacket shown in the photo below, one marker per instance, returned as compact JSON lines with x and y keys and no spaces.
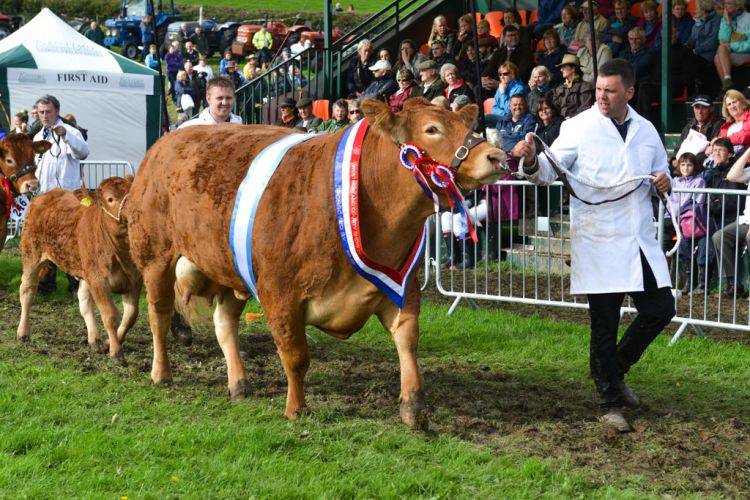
{"x":396,"y":101}
{"x":741,"y":138}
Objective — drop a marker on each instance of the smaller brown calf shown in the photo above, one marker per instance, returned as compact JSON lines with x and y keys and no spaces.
{"x":86,"y":237}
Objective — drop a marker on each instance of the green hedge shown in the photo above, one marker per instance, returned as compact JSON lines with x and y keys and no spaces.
{"x":104,"y":9}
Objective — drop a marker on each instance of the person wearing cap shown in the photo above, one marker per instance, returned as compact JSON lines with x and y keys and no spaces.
{"x":235,"y":76}
{"x":248,"y":70}
{"x":406,"y":86}
{"x":600,"y":24}
{"x":430,"y":86}
{"x":459,"y":102}
{"x":288,"y":117}
{"x":339,"y":120}
{"x":307,"y":120}
{"x":439,"y":53}
{"x":382,"y":85}
{"x":573,"y":95}
{"x":704,"y":121}
{"x":614,"y":246}
{"x":486,"y":49}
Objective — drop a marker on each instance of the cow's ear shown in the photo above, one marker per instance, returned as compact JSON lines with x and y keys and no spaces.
{"x":129,"y":178}
{"x":468,"y":114}
{"x":383,"y":120}
{"x":41,"y":147}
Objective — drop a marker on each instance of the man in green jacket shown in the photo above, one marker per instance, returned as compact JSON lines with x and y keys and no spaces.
{"x":431,"y":86}
{"x":339,"y":119}
{"x":94,"y":33}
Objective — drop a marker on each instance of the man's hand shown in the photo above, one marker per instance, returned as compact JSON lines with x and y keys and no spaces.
{"x":661,"y":182}
{"x":525,"y":149}
{"x":60,"y":130}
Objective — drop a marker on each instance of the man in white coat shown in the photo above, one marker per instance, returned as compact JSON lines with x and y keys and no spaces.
{"x":614,"y":250}
{"x":220,"y":97}
{"x":58,"y":167}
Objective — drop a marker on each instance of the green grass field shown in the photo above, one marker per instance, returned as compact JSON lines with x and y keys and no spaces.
{"x":290,"y":5}
{"x":512,"y":415}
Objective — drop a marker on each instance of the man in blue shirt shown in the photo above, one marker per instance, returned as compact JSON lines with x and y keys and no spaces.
{"x":514,"y":127}
{"x":147,"y":34}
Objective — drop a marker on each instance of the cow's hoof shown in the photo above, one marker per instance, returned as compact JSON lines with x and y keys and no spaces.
{"x":296,"y":414}
{"x":118,"y":358}
{"x":414,"y":413}
{"x":24,"y":339}
{"x":98,"y":346}
{"x":240,"y":391}
{"x":162,"y":380}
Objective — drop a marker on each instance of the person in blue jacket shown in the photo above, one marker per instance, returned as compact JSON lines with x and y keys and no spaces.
{"x":515,"y":126}
{"x":509,"y":86}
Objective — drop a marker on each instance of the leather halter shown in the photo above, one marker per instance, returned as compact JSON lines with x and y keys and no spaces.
{"x":24,"y":170}
{"x":471,"y":141}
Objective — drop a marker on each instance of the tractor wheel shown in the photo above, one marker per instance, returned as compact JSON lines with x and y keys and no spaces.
{"x":130,"y":51}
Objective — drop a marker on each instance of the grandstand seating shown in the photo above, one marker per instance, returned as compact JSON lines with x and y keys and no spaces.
{"x":322,"y":108}
{"x":495,"y":19}
{"x":487,"y":105}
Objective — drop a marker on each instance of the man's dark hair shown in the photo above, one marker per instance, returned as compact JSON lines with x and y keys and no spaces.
{"x":220,"y":82}
{"x":341,"y":103}
{"x":621,"y":68}
{"x":510,"y":28}
{"x":724,"y":143}
{"x":48,"y":99}
{"x":518,"y":96}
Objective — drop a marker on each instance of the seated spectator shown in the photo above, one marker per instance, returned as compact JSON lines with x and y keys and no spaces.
{"x":514,"y":127}
{"x":382,"y":85}
{"x":431,"y":86}
{"x":682,"y":20}
{"x":358,"y":76}
{"x":618,"y":26}
{"x":355,"y":112}
{"x":455,"y":86}
{"x":248,"y":70}
{"x":483,"y":32}
{"x":288,"y":117}
{"x":509,"y":86}
{"x":573,"y":95}
{"x":736,"y":111}
{"x":548,"y":120}
{"x":439,"y":53}
{"x":689,"y":210}
{"x":459,"y":102}
{"x":441,"y":101}
{"x":600,"y":24}
{"x":465,"y":34}
{"x":704,"y":121}
{"x":385,"y":55}
{"x":567,"y":27}
{"x":307,"y":120}
{"x":234,"y":75}
{"x":734,"y":44}
{"x":644,"y":62}
{"x":409,"y":57}
{"x":152,"y":60}
{"x":184,"y":100}
{"x":202,"y":67}
{"x":603,"y":55}
{"x":511,"y":51}
{"x":406,"y":86}
{"x":729,"y":240}
{"x":552,"y":54}
{"x":467,"y":65}
{"x":704,"y":41}
{"x":441,"y":31}
{"x":548,"y":13}
{"x":539,"y":85}
{"x":339,"y":118}
{"x":722,"y":210}
{"x":224,"y":61}
{"x":650,"y":22}
{"x":486,"y":50}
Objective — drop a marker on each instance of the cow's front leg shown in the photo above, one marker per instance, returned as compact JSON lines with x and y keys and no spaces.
{"x":404,"y":327}
{"x":288,"y":331}
{"x":226,"y":322}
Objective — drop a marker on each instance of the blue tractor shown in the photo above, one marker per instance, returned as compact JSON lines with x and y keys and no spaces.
{"x":125,"y":31}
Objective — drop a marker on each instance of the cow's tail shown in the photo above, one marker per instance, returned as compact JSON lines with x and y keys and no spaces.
{"x":193,"y":294}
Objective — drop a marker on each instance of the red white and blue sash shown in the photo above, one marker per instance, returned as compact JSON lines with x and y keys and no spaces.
{"x":391,"y":282}
{"x":246,"y":204}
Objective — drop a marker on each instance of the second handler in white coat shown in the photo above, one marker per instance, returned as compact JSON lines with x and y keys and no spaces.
{"x":614,"y":249}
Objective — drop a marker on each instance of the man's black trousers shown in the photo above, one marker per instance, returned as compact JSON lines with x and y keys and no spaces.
{"x":610,"y":360}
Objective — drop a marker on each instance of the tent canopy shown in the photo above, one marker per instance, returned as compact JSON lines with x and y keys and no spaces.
{"x":116,"y":99}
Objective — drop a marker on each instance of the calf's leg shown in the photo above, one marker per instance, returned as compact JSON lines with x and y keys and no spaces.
{"x":86,"y":307}
{"x":404,"y":327}
{"x":226,"y":322}
{"x":159,"y":280}
{"x":129,"y":310}
{"x":110,"y":317}
{"x":288,"y":332}
{"x":29,"y":281}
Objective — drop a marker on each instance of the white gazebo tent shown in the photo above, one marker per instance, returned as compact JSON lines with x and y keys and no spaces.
{"x":116,"y":99}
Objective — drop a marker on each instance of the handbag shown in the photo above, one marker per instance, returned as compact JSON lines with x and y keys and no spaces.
{"x":691,"y":225}
{"x":186,"y":102}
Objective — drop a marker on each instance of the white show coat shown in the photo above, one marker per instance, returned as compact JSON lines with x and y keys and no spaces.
{"x":606,"y":239}
{"x":60,"y":166}
{"x":205,"y":118}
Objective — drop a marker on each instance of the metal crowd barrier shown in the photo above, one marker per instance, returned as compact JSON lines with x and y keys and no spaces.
{"x":524,"y":256}
{"x":94,"y":172}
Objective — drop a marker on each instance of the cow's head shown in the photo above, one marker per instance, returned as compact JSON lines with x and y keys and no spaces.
{"x":111,"y":195}
{"x":17,"y":162}
{"x":440,"y":133}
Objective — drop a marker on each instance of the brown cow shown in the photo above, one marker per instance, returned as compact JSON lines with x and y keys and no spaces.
{"x":17,"y":177}
{"x":182,"y":202}
{"x":87,"y":239}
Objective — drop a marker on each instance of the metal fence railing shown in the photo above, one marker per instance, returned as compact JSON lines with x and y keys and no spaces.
{"x":523,"y":254}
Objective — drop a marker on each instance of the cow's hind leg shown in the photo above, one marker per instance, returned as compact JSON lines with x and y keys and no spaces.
{"x":110,"y":318}
{"x":288,"y":332}
{"x":86,"y":307}
{"x":159,"y":280}
{"x":129,"y":310}
{"x":404,"y":327}
{"x":226,"y":322}
{"x":32,"y":265}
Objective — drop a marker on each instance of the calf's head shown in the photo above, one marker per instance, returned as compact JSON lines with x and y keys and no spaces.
{"x":17,"y":162}
{"x":111,"y":196}
{"x":442,"y":134}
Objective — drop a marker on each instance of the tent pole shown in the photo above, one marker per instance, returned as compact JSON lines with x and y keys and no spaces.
{"x":165,"y":112}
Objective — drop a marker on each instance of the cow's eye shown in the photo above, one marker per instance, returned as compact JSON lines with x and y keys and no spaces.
{"x":110,"y":199}
{"x":432,"y":130}
{"x":9,"y":161}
